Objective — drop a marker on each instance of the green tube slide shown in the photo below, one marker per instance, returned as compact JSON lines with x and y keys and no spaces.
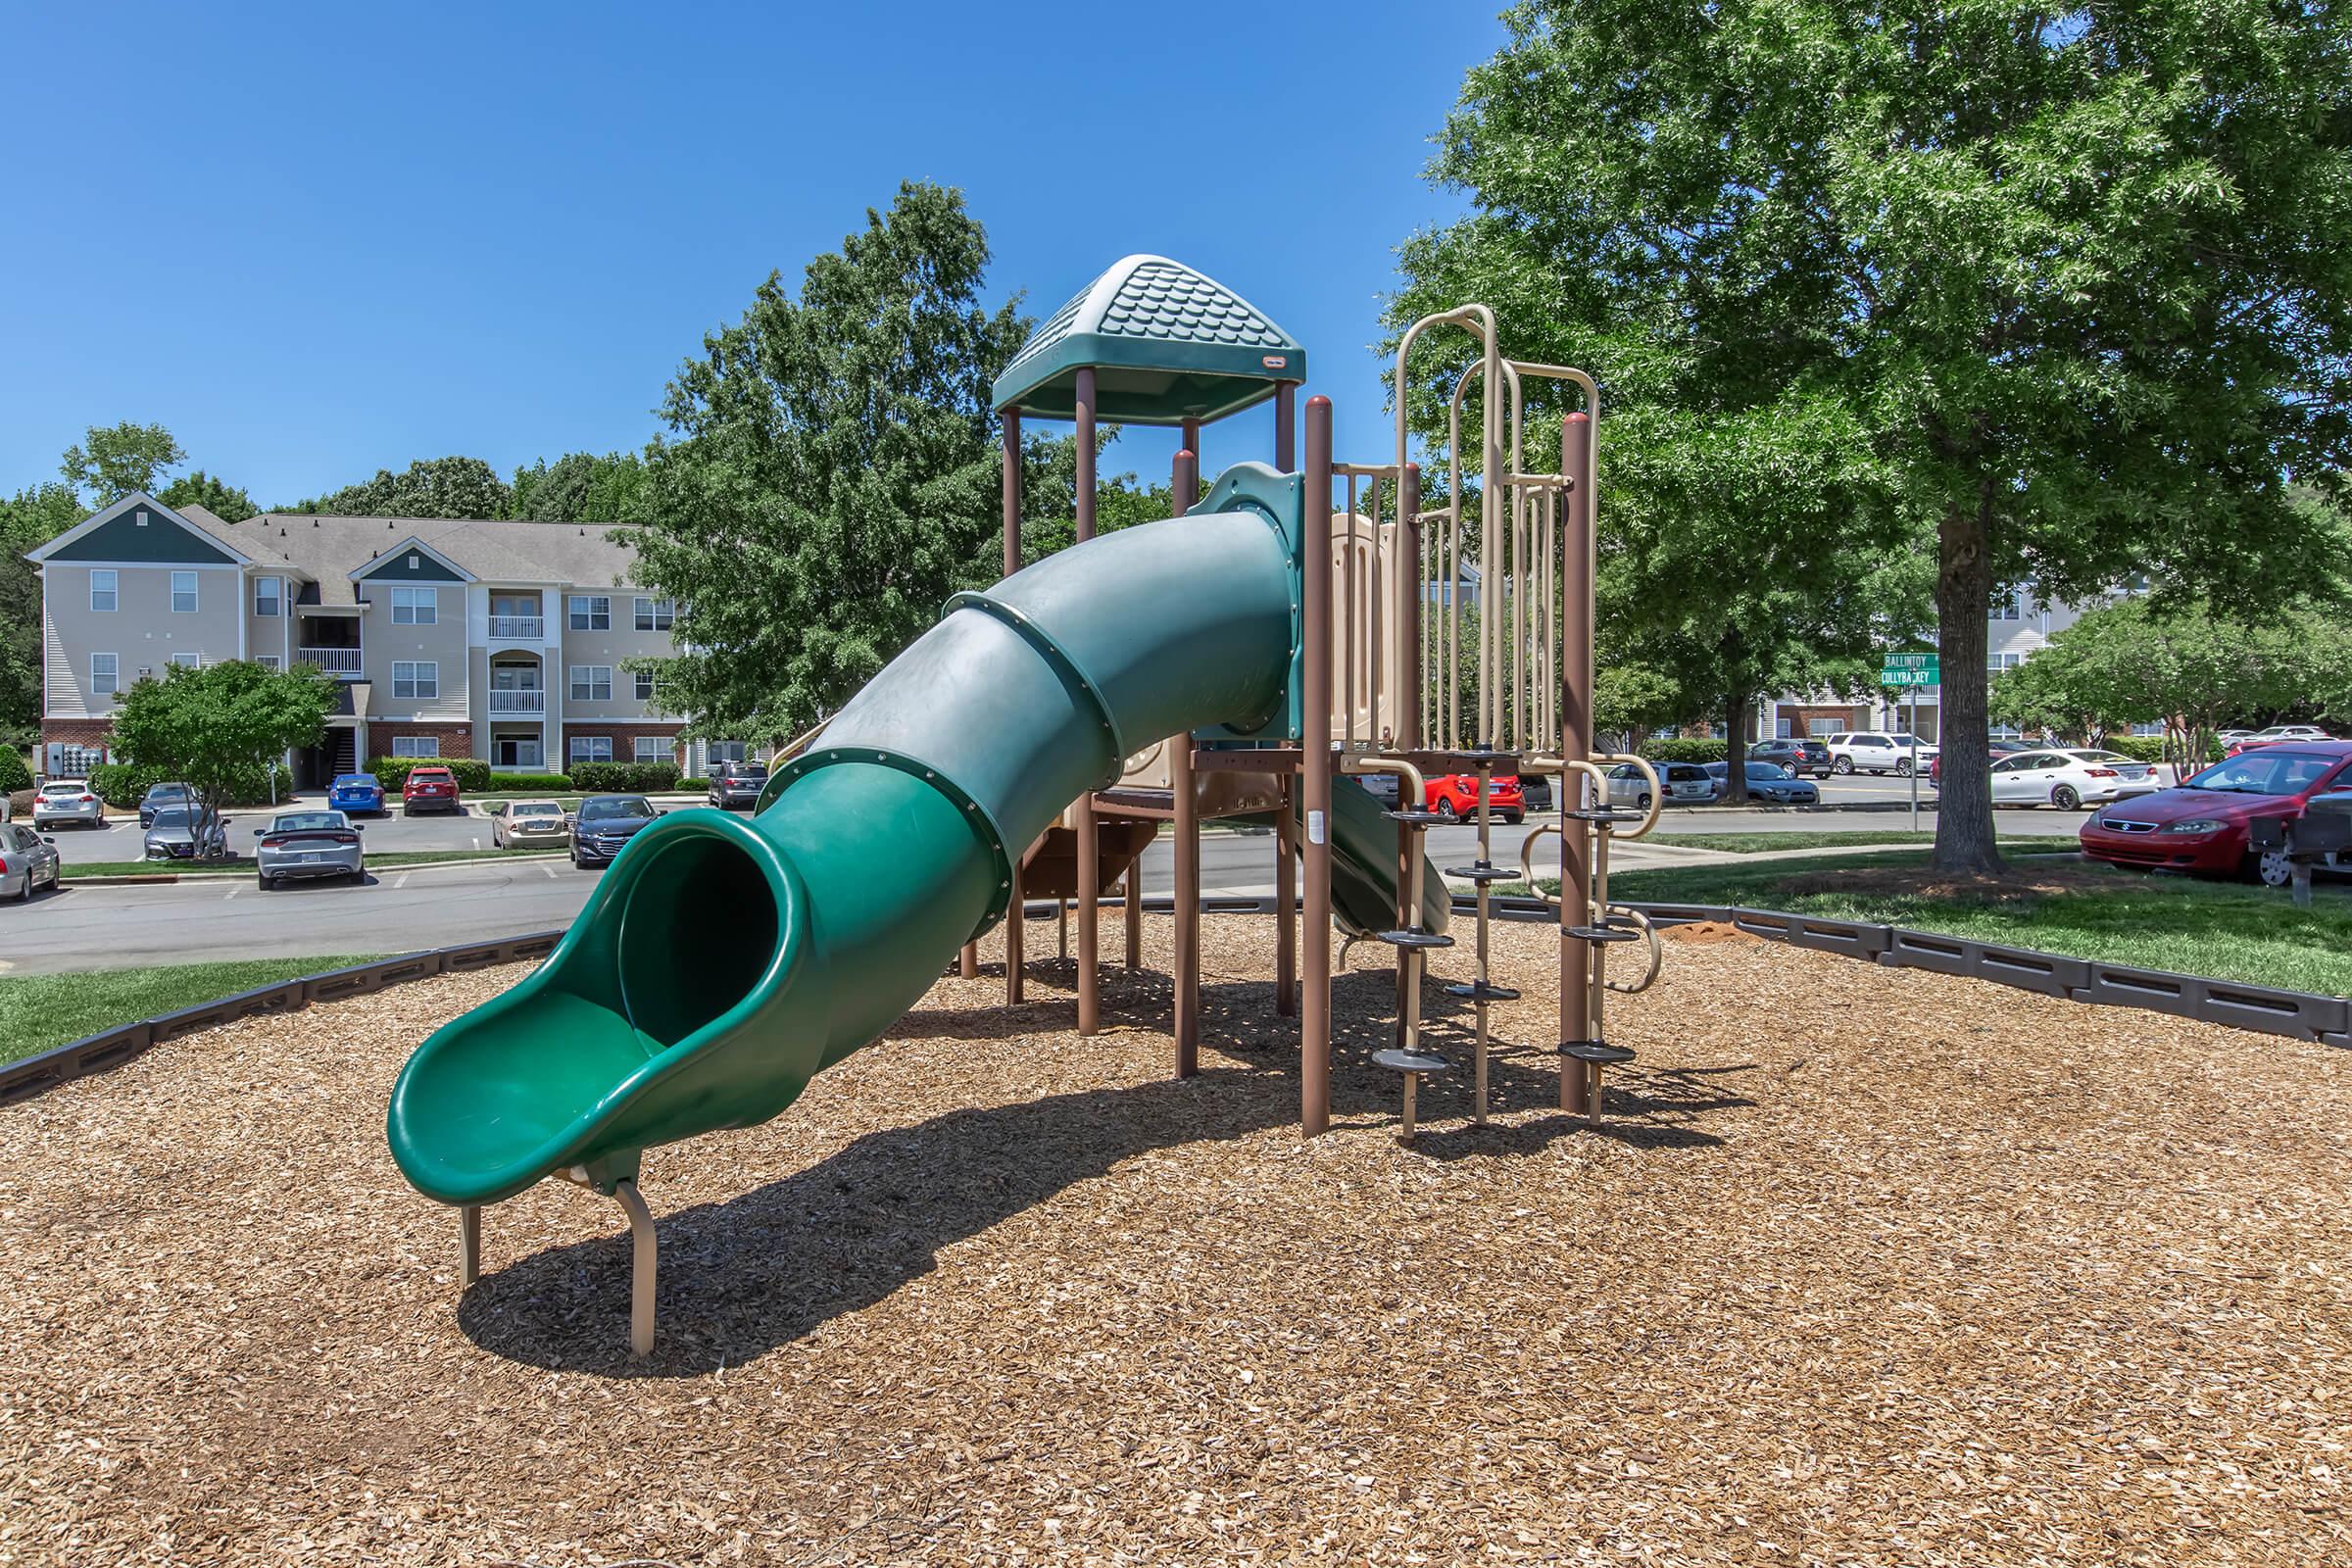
{"x":723,"y":962}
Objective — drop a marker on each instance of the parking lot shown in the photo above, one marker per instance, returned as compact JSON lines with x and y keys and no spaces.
{"x":120,"y":838}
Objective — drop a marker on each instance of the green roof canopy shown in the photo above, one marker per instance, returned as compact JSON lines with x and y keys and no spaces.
{"x":1167,"y":345}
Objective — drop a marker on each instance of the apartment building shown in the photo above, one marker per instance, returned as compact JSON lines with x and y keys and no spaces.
{"x":504,"y":640}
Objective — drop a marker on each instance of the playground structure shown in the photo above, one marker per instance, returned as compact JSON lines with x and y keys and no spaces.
{"x":1246,"y":659}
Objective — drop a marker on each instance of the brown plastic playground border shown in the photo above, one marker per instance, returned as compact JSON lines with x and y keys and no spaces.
{"x":2262,"y":1009}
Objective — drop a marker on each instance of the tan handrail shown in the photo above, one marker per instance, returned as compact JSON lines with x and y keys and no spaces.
{"x":1657,"y":791}
{"x":1527,"y":863}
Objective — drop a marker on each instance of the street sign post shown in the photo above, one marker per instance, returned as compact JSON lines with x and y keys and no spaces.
{"x":1912,"y":670}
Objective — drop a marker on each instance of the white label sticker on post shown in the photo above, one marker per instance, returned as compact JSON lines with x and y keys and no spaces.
{"x":1314,"y":827}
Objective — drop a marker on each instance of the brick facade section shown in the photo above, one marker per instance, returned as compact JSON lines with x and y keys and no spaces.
{"x":1801,"y":719}
{"x":454,"y":740}
{"x":77,"y":731}
{"x":623,"y":738}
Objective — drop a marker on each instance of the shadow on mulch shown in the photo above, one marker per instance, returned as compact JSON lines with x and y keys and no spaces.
{"x":2020,"y":884}
{"x":741,"y":1277}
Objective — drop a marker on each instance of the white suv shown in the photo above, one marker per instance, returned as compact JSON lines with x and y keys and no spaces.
{"x":1877,"y":752}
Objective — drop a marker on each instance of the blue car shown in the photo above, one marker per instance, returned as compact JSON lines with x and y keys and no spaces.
{"x":1768,"y":782}
{"x":356,"y":791}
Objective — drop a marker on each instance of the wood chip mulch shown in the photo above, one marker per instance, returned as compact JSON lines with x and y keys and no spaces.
{"x":1866,"y":1268}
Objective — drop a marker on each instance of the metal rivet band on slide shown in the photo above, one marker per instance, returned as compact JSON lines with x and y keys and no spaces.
{"x":978,"y":818}
{"x":1062,"y":664}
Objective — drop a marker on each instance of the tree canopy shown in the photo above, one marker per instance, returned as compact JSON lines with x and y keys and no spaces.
{"x":831,"y":470}
{"x":213,"y":725}
{"x":111,"y":460}
{"x":2050,"y":294}
{"x":29,"y":518}
{"x":429,"y":487}
{"x":216,"y":495}
{"x":580,"y":487}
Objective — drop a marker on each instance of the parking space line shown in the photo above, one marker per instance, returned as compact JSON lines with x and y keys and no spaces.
{"x":550,"y":870}
{"x":232,"y":893}
{"x":400,"y":881}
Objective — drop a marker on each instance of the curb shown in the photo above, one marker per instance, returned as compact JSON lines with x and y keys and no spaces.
{"x":160,"y":878}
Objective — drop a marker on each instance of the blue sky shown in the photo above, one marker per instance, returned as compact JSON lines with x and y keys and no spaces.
{"x":320,"y":240}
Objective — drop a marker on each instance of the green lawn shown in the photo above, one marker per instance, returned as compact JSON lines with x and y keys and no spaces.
{"x":42,"y":1010}
{"x":2229,"y":930}
{"x":1761,"y":843}
{"x":242,"y":868}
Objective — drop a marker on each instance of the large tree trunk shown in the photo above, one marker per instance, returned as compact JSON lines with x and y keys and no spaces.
{"x":1734,"y":747}
{"x":1964,"y":832}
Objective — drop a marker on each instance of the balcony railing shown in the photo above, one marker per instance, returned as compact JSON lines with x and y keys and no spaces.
{"x":513,"y":702}
{"x":526,"y":628}
{"x":335,"y":660}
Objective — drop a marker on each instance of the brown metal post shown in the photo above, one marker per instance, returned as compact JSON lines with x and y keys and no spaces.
{"x":1012,"y":564}
{"x":1192,"y":445}
{"x":1135,"y":912}
{"x":1090,"y":848}
{"x":1315,"y":739}
{"x":967,"y":962}
{"x":1407,"y":701}
{"x":1185,"y":482}
{"x":1286,"y":428}
{"x":1575,"y":744}
{"x":1286,"y":905}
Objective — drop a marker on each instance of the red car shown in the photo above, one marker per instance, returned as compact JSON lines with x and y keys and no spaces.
{"x":2201,"y":826}
{"x":435,"y":786}
{"x":1456,"y":796}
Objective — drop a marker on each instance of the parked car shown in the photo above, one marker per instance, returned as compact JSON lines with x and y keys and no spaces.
{"x":187,"y":833}
{"x":434,"y":787}
{"x":68,"y":799}
{"x":356,"y":791}
{"x":2290,"y":732}
{"x":1684,"y":783}
{"x":304,"y":844}
{"x":159,"y":796}
{"x":27,"y":860}
{"x":1878,"y":751}
{"x":1536,"y":790}
{"x":527,"y":822}
{"x":606,"y":822}
{"x":1798,"y":758}
{"x":2069,"y":779}
{"x":1455,"y":797}
{"x":2202,"y":826}
{"x":1995,"y":749}
{"x":1766,"y":781}
{"x":736,"y":784}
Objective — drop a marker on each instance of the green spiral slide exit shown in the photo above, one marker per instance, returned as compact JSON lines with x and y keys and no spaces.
{"x":723,"y":962}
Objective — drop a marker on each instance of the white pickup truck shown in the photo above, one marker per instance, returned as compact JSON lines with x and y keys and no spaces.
{"x":1877,"y":752}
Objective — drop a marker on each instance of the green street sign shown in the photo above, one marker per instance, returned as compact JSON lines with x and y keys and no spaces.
{"x":1910,"y":669}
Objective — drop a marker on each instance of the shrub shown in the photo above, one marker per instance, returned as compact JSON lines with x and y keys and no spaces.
{"x":1695,"y":749}
{"x":695,"y":786}
{"x":2150,"y":748}
{"x":122,"y":786}
{"x":472,"y":772}
{"x":531,"y":783}
{"x":19,"y":803}
{"x":624,"y":778}
{"x":14,"y":774}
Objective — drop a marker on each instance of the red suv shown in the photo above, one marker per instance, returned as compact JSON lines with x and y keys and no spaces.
{"x":1455,"y":797}
{"x":435,"y":786}
{"x":2201,"y":826}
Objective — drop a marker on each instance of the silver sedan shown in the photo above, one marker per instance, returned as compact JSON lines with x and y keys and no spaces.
{"x":27,"y":860}
{"x":187,"y":833}
{"x":301,"y":844}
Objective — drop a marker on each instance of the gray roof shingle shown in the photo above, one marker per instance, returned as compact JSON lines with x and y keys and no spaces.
{"x":327,"y":550}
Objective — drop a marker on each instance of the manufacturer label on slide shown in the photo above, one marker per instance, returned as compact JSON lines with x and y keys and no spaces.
{"x":1314,"y":827}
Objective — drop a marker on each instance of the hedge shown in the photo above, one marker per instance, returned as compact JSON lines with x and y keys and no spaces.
{"x":1695,"y":749}
{"x":392,"y":772}
{"x":518,"y":783}
{"x":695,"y":786}
{"x":14,"y":774}
{"x":623,"y":778}
{"x":122,"y":786}
{"x":2150,"y":748}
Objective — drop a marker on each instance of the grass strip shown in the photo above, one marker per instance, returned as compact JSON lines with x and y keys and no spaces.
{"x":38,"y":1011}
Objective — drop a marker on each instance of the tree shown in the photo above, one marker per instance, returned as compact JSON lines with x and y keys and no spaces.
{"x":27,"y":520}
{"x":580,"y":487}
{"x":114,"y":460}
{"x":215,"y":495}
{"x":430,"y":487}
{"x":2077,"y":281}
{"x":831,"y":472}
{"x":210,"y":726}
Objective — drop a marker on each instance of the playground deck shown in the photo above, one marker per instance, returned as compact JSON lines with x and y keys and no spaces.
{"x":1867,"y":1268}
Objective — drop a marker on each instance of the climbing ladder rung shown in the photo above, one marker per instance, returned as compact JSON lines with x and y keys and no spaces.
{"x":1416,"y":939}
{"x":1598,"y":1052}
{"x":1603,"y":814}
{"x":1481,"y":991}
{"x":1418,"y":819}
{"x":1603,"y":933}
{"x":1424,"y":1062}
{"x":1482,"y":874}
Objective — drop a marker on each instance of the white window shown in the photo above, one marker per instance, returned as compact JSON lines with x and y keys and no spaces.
{"x":266,"y":661}
{"x":420,"y":678}
{"x":592,"y":683}
{"x":1783,"y":728}
{"x":188,"y":660}
{"x":645,"y":686}
{"x":102,"y":588}
{"x":267,"y":592}
{"x":653,"y":749}
{"x":415,"y":607}
{"x":591,"y":748}
{"x":2009,"y":606}
{"x":1996,"y":663}
{"x":590,"y":613}
{"x":1821,"y":727}
{"x":183,"y":593}
{"x":415,"y":745}
{"x":728,"y":752}
{"x":106,"y":676}
{"x":2148,"y":729}
{"x":654,"y":614}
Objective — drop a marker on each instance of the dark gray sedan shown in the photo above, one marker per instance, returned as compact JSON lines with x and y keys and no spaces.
{"x":304,"y":844}
{"x":606,"y":822}
{"x":187,"y":833}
